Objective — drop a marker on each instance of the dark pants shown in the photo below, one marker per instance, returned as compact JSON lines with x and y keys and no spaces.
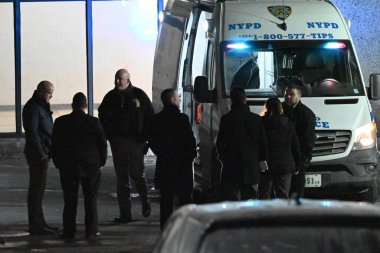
{"x":37,"y":184}
{"x":236,"y":192}
{"x":167,"y":201}
{"x":128,"y":159}
{"x":70,"y":184}
{"x":298,"y":184}
{"x":279,"y":184}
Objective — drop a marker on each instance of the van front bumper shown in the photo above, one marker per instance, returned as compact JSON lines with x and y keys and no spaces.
{"x":344,"y":176}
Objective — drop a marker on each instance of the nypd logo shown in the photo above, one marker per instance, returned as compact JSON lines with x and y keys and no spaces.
{"x":280,"y":12}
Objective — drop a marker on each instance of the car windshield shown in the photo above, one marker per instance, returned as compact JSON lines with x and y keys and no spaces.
{"x":293,"y":240}
{"x":266,"y":68}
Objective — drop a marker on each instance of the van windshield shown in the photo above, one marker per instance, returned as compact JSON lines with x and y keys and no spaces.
{"x":266,"y":68}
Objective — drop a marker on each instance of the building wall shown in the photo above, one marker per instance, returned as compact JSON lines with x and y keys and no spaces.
{"x":365,"y":32}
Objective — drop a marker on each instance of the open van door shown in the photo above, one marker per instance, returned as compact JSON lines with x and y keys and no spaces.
{"x":169,"y":48}
{"x":184,"y":52}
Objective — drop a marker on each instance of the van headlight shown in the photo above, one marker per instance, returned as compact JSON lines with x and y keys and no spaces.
{"x":365,"y":137}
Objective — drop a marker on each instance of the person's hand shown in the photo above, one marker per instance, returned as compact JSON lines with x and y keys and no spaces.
{"x":137,"y":102}
{"x":263,"y":166}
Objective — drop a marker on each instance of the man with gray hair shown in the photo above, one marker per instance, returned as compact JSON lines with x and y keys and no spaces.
{"x":38,"y":124}
{"x":124,"y":113}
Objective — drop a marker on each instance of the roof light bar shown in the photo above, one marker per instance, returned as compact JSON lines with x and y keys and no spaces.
{"x":334,"y":45}
{"x":237,"y":46}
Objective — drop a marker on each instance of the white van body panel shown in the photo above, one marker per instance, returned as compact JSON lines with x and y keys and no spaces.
{"x":252,"y":20}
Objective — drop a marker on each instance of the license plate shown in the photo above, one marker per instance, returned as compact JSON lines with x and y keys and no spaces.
{"x":313,"y":180}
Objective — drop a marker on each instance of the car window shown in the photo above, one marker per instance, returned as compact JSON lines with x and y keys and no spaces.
{"x":293,"y":240}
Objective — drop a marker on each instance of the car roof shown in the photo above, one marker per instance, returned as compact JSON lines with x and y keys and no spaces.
{"x":188,"y":225}
{"x":276,"y":208}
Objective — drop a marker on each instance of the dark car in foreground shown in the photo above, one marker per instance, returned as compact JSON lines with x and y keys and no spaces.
{"x":273,"y":226}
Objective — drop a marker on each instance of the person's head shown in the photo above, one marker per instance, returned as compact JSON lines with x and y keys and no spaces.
{"x":122,"y":79}
{"x":45,"y":90}
{"x":170,"y":97}
{"x":79,"y":102}
{"x":237,"y":96}
{"x":273,"y":107}
{"x":292,"y":95}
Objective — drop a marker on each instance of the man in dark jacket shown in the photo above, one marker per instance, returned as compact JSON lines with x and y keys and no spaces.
{"x":124,"y":113}
{"x":241,"y":145}
{"x":38,"y":125}
{"x":304,"y":121}
{"x":172,"y":140}
{"x":79,"y":150}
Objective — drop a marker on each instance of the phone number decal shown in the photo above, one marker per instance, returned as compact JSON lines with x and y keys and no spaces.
{"x":290,"y":36}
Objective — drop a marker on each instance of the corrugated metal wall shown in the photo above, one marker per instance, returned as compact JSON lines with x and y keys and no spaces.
{"x":365,"y":31}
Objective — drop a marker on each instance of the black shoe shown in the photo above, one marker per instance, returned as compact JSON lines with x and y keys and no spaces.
{"x":122,"y":220}
{"x":146,"y":210}
{"x":41,"y":231}
{"x":50,"y":227}
{"x":93,"y":236}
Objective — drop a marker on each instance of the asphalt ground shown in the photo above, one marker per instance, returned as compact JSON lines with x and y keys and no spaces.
{"x":137,"y":236}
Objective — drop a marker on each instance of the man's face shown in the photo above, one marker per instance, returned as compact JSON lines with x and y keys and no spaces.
{"x":292,"y":97}
{"x":47,"y":94}
{"x":123,"y":82}
{"x":176,"y":100}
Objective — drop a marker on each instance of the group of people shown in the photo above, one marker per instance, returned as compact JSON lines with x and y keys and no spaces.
{"x":77,"y":144}
{"x":260,"y":156}
{"x":265,"y":157}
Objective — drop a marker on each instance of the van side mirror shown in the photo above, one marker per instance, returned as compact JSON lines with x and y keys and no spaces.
{"x":374,"y":86}
{"x":201,"y":92}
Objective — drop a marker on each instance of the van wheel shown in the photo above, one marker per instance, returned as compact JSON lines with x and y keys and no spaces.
{"x":370,"y":195}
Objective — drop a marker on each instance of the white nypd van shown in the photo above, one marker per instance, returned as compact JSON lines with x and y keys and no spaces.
{"x":205,"y":48}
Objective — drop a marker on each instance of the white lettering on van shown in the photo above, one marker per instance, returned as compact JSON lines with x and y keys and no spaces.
{"x":244,"y":26}
{"x":325,"y":25}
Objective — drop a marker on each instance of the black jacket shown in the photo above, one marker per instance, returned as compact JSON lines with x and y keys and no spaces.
{"x":172,"y":140}
{"x":283,"y":148}
{"x":304,"y":121}
{"x":38,"y":124}
{"x":120,"y":116}
{"x":241,"y":144}
{"x":78,"y":141}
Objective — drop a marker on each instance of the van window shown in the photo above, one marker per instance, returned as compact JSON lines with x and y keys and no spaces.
{"x":194,"y":48}
{"x":200,"y":47}
{"x":266,"y":68}
{"x":210,"y":67}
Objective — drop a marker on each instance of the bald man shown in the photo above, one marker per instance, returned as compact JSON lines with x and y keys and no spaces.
{"x":124,"y":113}
{"x":38,"y":125}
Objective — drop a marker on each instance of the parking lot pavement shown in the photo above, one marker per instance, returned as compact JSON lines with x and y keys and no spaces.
{"x":136,"y":236}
